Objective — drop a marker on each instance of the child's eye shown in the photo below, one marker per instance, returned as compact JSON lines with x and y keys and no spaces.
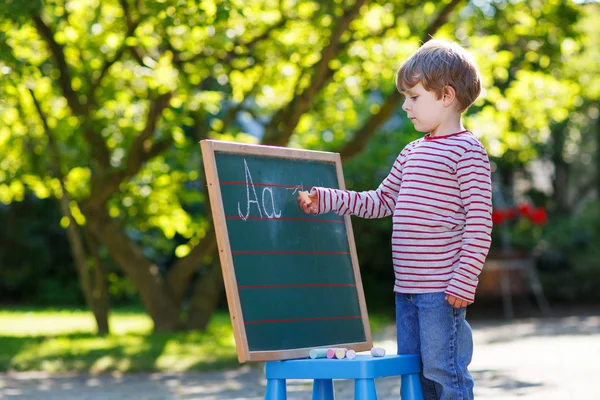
{"x":413,"y":97}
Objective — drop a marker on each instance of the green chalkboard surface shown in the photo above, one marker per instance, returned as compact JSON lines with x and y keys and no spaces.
{"x":292,"y":279}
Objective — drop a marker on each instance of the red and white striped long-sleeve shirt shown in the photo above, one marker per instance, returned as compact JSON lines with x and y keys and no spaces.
{"x":439,"y":193}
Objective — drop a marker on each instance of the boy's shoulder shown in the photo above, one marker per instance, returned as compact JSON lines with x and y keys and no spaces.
{"x":464,"y":143}
{"x":412,"y":145}
{"x":472,"y":143}
{"x":467,"y":142}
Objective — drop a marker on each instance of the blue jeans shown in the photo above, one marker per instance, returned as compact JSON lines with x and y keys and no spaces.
{"x":427,"y":325}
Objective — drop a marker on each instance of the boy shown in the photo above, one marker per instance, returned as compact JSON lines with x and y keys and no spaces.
{"x":439,"y":193}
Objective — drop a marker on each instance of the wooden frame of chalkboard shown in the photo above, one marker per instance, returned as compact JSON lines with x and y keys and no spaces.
{"x":283,"y":300}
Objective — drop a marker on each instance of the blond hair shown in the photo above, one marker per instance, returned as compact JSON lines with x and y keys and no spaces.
{"x":438,"y":64}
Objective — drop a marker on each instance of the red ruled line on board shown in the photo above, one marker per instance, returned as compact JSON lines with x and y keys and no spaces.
{"x":268,"y":321}
{"x":266,"y":184}
{"x":288,"y":252}
{"x":296,"y":285}
{"x":339,"y":221}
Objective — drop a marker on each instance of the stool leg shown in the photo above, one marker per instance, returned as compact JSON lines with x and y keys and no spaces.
{"x":537,"y":290}
{"x":411,"y":387}
{"x":364,"y":389}
{"x":506,"y":295}
{"x":323,"y":389}
{"x":275,"y":389}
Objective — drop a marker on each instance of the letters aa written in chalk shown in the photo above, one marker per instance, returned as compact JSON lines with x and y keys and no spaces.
{"x":270,"y":210}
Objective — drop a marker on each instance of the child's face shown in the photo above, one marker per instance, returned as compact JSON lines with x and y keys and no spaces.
{"x":423,"y":108}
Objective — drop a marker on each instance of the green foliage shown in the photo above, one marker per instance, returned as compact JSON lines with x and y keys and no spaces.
{"x":35,"y":263}
{"x":20,"y":10}
{"x":569,"y":261}
{"x":99,"y":69}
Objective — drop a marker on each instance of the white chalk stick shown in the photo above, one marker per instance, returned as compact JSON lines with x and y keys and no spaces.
{"x":378,"y":352}
{"x":351,"y":354}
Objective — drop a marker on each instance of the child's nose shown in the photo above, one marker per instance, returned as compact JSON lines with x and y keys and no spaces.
{"x":405,"y":105}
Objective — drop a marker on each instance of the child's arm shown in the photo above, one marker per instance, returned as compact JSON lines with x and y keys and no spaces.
{"x":370,"y":204}
{"x":473,"y":173}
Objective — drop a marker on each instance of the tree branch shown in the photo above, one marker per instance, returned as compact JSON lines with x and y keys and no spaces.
{"x":232,"y":112}
{"x":99,"y":149}
{"x":441,"y":19}
{"x":140,"y":143}
{"x":141,"y":151}
{"x":362,"y":135}
{"x":184,"y":268}
{"x":284,"y":122}
{"x":131,"y":27}
{"x":230,"y":55}
{"x":58,"y":53}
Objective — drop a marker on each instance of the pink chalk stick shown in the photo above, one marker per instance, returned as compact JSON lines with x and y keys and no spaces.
{"x":331,"y":353}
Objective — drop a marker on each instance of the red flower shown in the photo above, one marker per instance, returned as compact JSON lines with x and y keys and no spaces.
{"x":510,"y":213}
{"x":538,"y":216}
{"x":498,"y":217}
{"x":525,"y":209}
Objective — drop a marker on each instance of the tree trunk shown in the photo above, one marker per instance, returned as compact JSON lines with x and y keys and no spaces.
{"x":90,"y":276}
{"x":91,"y":280}
{"x":99,"y":293}
{"x":207,"y":292}
{"x":145,"y":275}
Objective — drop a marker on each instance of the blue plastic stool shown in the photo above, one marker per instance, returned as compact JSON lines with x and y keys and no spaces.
{"x":363,"y":369}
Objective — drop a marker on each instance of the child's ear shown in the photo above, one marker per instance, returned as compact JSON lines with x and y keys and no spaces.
{"x":448,"y":96}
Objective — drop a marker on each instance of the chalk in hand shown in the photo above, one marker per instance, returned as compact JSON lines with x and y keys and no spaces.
{"x":378,"y":352}
{"x":305,"y":197}
{"x":318,"y":353}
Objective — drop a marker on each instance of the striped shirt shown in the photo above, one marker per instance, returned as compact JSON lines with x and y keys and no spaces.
{"x":439,"y":193}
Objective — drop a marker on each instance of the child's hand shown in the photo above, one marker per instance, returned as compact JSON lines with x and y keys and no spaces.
{"x":456,"y":302}
{"x":309,"y":202}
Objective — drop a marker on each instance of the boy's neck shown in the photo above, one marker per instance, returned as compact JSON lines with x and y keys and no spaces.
{"x":448,"y":127}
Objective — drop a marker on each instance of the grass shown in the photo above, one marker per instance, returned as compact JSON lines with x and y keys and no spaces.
{"x":65,"y":340}
{"x":60,"y":340}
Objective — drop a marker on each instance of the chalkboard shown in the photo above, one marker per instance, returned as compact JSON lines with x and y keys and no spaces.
{"x":292,"y":280}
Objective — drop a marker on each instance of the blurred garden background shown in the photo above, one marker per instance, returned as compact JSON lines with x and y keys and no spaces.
{"x":107,"y":249}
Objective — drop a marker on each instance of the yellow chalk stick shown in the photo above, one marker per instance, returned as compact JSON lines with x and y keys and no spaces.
{"x":340,"y":353}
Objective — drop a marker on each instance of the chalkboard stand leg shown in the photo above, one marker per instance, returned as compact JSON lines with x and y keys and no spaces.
{"x":411,"y":387}
{"x":275,"y":389}
{"x":364,"y":389}
{"x":323,"y":389}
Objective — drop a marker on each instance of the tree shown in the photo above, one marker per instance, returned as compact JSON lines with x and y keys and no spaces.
{"x":127,"y":88}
